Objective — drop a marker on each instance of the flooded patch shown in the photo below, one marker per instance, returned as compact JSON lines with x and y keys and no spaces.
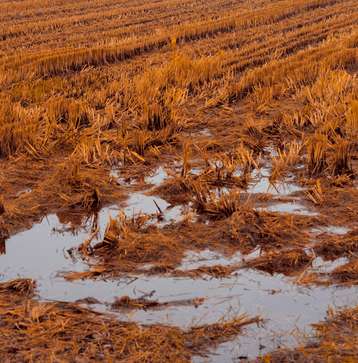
{"x":41,"y":253}
{"x":331,"y":229}
{"x":320,"y":265}
{"x":286,"y":308}
{"x":158,"y":177}
{"x":116,"y":175}
{"x":44,"y":254}
{"x":290,"y":207}
{"x":261,"y":184}
{"x":194,"y":260}
{"x":140,"y":203}
{"x":241,"y":151}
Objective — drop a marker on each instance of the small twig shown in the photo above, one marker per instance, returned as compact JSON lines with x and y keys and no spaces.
{"x":156,"y":204}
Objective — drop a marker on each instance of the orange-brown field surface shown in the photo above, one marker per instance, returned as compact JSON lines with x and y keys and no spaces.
{"x":178,"y":181}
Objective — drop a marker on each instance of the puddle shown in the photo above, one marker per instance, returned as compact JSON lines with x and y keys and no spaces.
{"x":286,"y":308}
{"x":264,"y":186}
{"x":194,"y":260}
{"x":289,"y":207}
{"x":40,"y":253}
{"x":116,"y":175}
{"x":139,"y":203}
{"x":158,"y":177}
{"x":261,"y":184}
{"x":320,"y":265}
{"x":331,"y":229}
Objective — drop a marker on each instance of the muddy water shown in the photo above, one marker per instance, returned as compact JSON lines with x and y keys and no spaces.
{"x":287,"y":309}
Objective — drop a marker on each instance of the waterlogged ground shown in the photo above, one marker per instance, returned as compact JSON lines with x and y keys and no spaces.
{"x":46,"y":253}
{"x":202,"y":155}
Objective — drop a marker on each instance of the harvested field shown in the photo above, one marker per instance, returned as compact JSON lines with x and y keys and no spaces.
{"x":180,"y":176}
